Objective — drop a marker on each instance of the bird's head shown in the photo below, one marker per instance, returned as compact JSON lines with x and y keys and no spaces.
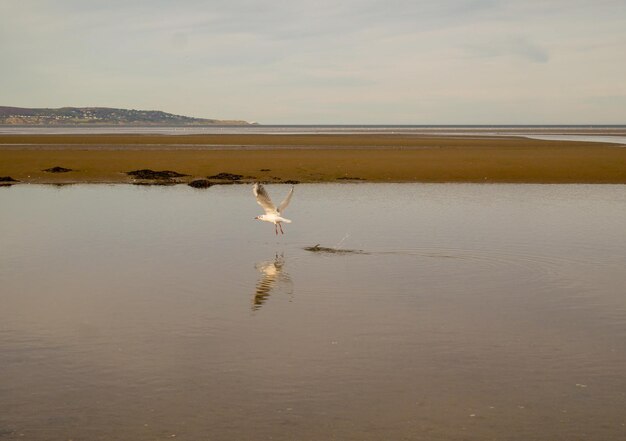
{"x":257,"y":218}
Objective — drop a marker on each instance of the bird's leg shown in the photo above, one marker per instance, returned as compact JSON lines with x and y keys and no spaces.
{"x":281,"y":228}
{"x":276,"y":228}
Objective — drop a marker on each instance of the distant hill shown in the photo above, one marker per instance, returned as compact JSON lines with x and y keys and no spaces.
{"x":101,"y":116}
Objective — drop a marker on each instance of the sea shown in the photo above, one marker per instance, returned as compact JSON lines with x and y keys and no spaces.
{"x":615,"y":134}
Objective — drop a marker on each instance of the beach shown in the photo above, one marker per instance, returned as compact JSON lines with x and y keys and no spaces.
{"x":308,"y":158}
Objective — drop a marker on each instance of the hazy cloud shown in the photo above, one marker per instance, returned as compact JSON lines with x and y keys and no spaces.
{"x":515,"y":46}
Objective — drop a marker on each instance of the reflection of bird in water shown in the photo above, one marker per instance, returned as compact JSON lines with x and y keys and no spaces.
{"x":273,"y":274}
{"x":272,"y":214}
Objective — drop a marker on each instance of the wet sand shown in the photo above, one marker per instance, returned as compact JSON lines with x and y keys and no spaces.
{"x":312,"y":158}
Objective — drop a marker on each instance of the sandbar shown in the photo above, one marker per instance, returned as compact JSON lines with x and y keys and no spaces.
{"x":311,"y":158}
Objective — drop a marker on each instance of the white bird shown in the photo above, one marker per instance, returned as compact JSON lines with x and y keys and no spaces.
{"x":272,"y":214}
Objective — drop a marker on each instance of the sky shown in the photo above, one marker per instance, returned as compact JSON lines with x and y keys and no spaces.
{"x":322,"y":61}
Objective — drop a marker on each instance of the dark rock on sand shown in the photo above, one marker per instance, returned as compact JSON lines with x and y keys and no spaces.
{"x":7,"y":179}
{"x":348,"y":178}
{"x":226,"y":176}
{"x":200,"y":183}
{"x":157,"y":182}
{"x":265,"y":169}
{"x":291,"y":181}
{"x":58,"y":169}
{"x":151,"y":174}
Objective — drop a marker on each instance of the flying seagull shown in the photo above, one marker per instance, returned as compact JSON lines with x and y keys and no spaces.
{"x":272,"y":214}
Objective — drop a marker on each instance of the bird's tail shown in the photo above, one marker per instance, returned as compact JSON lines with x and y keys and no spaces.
{"x":287,"y":221}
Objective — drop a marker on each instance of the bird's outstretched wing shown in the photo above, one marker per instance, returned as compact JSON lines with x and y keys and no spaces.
{"x":263,"y":199}
{"x":286,"y":201}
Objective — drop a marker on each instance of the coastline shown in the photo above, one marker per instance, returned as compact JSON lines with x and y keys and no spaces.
{"x":105,"y":158}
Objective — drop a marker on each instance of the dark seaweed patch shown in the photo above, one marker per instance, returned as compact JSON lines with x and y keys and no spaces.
{"x":57,"y":169}
{"x":151,"y":174}
{"x":226,"y":176}
{"x":200,"y":183}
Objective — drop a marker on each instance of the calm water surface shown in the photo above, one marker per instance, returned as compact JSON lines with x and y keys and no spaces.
{"x":615,"y":134}
{"x":474,"y":312}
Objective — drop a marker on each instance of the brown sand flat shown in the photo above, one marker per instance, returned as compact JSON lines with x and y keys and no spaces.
{"x":312,"y":158}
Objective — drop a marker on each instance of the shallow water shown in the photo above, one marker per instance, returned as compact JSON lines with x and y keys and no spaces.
{"x":614,"y":134}
{"x":472,"y":312}
{"x":621,"y":140}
